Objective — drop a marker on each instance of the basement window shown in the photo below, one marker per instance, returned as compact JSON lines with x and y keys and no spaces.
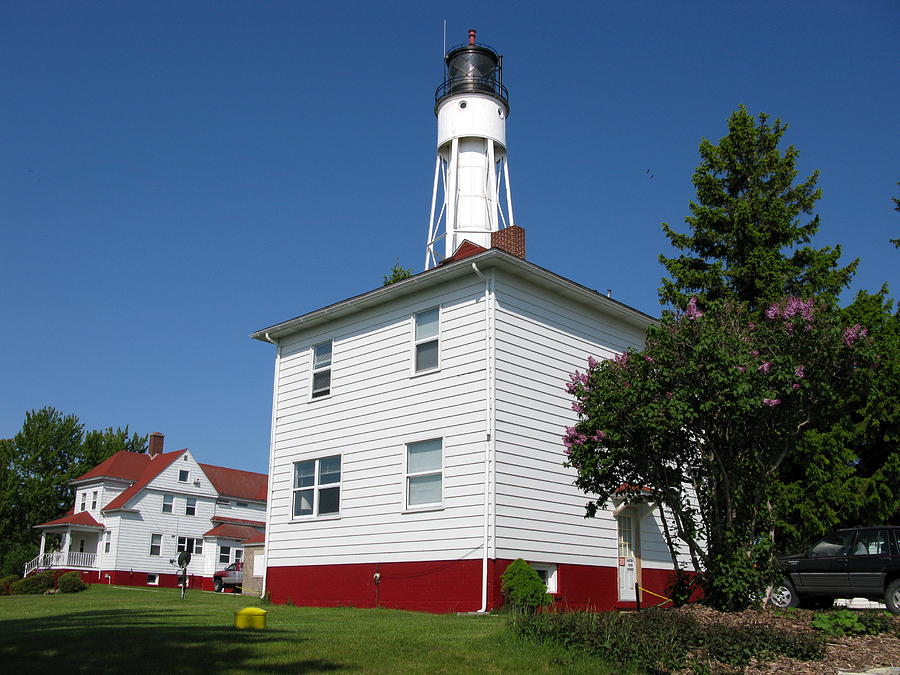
{"x":547,"y":573}
{"x":321,"y":369}
{"x":153,"y":580}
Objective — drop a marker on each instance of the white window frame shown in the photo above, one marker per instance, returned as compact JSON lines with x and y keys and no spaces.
{"x":238,"y":555}
{"x":83,"y":501}
{"x":429,"y":506}
{"x":316,"y":487}
{"x":153,"y":580}
{"x":193,"y":545}
{"x":414,"y":370}
{"x":222,"y":552}
{"x":107,"y":541}
{"x":184,"y":476}
{"x":190,"y":506}
{"x":316,"y":370}
{"x":94,"y":500}
{"x":551,"y":574}
{"x":158,"y":544}
{"x":168,"y":501}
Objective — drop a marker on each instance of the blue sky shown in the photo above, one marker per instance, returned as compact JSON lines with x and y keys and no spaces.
{"x":176,"y":175}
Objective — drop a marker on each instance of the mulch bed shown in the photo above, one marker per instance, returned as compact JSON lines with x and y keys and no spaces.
{"x":851,"y":654}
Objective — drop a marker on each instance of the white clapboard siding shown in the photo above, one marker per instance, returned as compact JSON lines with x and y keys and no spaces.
{"x":541,"y":339}
{"x":377,"y":406}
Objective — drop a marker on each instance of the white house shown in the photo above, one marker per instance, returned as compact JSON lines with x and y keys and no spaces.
{"x":416,"y":429}
{"x":134,"y":513}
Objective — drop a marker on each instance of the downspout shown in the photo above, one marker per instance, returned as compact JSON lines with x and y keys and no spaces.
{"x":265,"y":574}
{"x":488,"y":442}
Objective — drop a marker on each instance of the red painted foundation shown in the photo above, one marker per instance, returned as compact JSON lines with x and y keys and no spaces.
{"x":139,"y":578}
{"x":444,"y":586}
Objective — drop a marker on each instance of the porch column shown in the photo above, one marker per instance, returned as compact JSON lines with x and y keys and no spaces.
{"x":43,"y":541}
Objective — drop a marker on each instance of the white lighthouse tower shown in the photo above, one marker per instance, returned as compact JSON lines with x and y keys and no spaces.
{"x":471,"y":106}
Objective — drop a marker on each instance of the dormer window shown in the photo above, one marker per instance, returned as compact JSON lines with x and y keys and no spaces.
{"x":83,"y":501}
{"x":183,"y":476}
{"x":321,"y":369}
{"x":94,"y":501}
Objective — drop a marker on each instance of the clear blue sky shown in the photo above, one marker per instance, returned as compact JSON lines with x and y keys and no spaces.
{"x":175,"y":175}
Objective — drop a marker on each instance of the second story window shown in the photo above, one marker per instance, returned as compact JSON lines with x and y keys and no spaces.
{"x":167,"y":503}
{"x":83,"y":501}
{"x":190,"y":506}
{"x":94,"y":501}
{"x":321,"y":369}
{"x":426,"y":340}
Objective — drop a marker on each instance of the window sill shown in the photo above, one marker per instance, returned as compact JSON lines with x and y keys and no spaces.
{"x":424,"y":509}
{"x":319,"y":398}
{"x":314,"y":519}
{"x":424,"y":373}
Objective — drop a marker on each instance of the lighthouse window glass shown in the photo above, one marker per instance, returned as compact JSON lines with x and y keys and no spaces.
{"x":426,"y":340}
{"x":321,"y":370}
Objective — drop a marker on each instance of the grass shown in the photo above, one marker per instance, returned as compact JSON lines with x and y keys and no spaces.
{"x":116,"y":630}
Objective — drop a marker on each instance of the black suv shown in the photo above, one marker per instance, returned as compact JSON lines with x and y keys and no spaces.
{"x":860,"y":562}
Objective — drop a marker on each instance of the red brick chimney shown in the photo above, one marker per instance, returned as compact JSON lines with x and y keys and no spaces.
{"x":156,"y":444}
{"x":511,"y":240}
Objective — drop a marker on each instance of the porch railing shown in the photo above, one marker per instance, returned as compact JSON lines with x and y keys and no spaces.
{"x":61,"y":559}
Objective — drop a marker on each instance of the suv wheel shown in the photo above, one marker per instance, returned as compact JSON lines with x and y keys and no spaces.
{"x":784,"y":595}
{"x":892,"y":597}
{"x":217,"y":585}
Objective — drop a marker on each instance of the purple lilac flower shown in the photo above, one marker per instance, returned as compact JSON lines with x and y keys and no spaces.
{"x":799,"y":371}
{"x":599,"y":436}
{"x":771,"y":402}
{"x":853,"y":333}
{"x":692,"y":312}
{"x":669,"y":395}
{"x":592,"y":362}
{"x":764,"y":366}
{"x":755,"y":352}
{"x":741,"y":369}
{"x":796,"y":385}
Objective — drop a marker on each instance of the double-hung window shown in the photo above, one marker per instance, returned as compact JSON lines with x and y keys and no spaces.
{"x":83,"y":501}
{"x":190,"y":506}
{"x":424,"y":474}
{"x":321,"y":369}
{"x":426,"y":340}
{"x":224,"y":555}
{"x":190,"y":545}
{"x":317,"y":487}
{"x":155,"y":544}
{"x":94,"y":501}
{"x":167,"y":503}
{"x":107,"y":537}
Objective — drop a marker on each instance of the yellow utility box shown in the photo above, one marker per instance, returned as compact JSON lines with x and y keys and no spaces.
{"x":250,"y":617}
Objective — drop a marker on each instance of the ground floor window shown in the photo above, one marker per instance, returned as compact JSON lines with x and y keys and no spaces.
{"x":190,"y":545}
{"x":547,"y":573}
{"x":155,"y":544}
{"x":238,"y":554}
{"x":153,"y":580}
{"x":317,"y":487}
{"x":224,"y":554}
{"x":106,"y":541}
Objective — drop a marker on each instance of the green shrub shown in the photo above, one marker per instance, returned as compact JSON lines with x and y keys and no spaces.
{"x":71,"y":583}
{"x":33,"y":585}
{"x":846,"y":622}
{"x":6,"y":581}
{"x":522,"y":588}
{"x":657,"y":640}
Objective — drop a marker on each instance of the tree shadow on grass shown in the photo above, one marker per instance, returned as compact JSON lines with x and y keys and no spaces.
{"x":142,"y":641}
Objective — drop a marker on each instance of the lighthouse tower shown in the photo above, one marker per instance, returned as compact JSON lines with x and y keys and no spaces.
{"x":471,"y":105}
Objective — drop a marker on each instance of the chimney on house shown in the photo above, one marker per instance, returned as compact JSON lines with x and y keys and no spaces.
{"x":156,"y":444}
{"x":510,"y":239}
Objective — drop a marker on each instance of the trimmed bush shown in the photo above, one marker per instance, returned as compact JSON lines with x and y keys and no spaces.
{"x":522,"y":588}
{"x":70,"y":583}
{"x":33,"y":585}
{"x":6,"y":581}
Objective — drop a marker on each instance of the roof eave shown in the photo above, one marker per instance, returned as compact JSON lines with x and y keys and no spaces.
{"x":491,"y":257}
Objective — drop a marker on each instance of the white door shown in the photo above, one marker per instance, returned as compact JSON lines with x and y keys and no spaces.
{"x":627,"y":557}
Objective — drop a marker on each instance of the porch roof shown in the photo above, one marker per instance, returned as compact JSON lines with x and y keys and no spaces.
{"x":228,"y":531}
{"x":81,"y":519}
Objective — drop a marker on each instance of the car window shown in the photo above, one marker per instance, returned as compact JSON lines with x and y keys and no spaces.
{"x":871,"y":542}
{"x":833,"y":545}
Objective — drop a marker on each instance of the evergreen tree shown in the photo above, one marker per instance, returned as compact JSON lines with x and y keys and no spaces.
{"x":745,"y":240}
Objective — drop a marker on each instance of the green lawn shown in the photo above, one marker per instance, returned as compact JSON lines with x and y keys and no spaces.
{"x":112,"y":630}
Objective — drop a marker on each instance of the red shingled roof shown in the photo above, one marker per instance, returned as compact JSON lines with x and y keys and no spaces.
{"x":153,"y":466}
{"x":123,"y":464}
{"x":259,"y":539}
{"x":230,"y":531}
{"x":238,"y":521}
{"x":235,"y":483}
{"x":83,"y":518}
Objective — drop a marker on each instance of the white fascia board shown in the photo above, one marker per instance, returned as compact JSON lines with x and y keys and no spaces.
{"x":101,"y":479}
{"x":490,"y":258}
